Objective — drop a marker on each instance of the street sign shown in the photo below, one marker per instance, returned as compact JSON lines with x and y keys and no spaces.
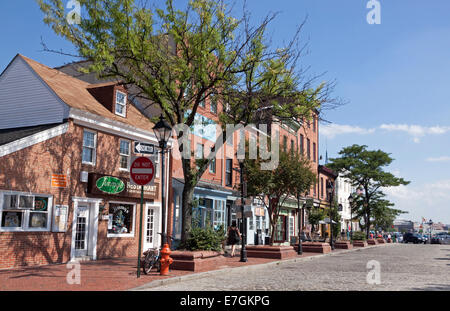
{"x":144,"y":148}
{"x":142,"y":170}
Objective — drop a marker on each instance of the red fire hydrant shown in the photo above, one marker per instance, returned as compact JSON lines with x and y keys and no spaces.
{"x":166,"y":261}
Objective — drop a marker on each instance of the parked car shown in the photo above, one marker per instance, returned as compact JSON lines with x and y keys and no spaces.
{"x":412,"y":237}
{"x":436,"y":239}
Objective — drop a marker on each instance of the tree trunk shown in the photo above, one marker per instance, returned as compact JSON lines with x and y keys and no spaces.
{"x":187,"y":206}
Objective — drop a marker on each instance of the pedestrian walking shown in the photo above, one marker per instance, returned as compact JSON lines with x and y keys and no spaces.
{"x":234,"y":236}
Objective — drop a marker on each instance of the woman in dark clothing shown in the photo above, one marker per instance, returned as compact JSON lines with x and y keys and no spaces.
{"x":234,"y":236}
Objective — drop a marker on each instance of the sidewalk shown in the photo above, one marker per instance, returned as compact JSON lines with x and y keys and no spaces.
{"x":115,"y":274}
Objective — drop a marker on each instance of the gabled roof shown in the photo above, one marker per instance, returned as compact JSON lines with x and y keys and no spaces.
{"x":75,"y":94}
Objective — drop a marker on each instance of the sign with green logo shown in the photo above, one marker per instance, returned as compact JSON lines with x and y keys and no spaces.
{"x":109,"y":184}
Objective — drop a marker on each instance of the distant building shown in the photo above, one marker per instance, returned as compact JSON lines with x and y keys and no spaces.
{"x":402,"y":225}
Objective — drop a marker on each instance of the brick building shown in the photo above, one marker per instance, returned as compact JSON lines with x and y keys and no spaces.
{"x":65,"y":152}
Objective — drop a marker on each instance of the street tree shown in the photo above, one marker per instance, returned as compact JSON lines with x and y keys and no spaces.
{"x":178,"y":58}
{"x":365,"y":170}
{"x":292,"y":176}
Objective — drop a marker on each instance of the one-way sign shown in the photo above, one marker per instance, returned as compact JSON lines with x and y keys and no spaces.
{"x":143,"y":148}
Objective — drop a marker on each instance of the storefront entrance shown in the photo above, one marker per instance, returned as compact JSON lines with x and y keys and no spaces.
{"x":84,"y":228}
{"x":82,"y":231}
{"x":152,"y":226}
{"x":280,"y":233}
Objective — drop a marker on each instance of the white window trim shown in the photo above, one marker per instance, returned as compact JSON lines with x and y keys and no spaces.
{"x":124,"y":235}
{"x":124,"y":105}
{"x":94,"y":156}
{"x":128,"y":155}
{"x":26,"y":214}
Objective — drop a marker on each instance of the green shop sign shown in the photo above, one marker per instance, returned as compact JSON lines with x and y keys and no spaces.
{"x":109,"y":184}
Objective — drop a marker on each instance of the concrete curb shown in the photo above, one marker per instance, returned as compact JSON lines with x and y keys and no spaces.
{"x":200,"y":275}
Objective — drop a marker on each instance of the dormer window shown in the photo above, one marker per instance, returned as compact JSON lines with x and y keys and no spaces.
{"x":121,"y":100}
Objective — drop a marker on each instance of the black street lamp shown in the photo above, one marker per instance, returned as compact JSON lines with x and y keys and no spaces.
{"x":163,"y":132}
{"x":330,"y":190}
{"x":350,"y":200}
{"x":300,"y":225}
{"x":430,"y":223}
{"x":243,"y":225}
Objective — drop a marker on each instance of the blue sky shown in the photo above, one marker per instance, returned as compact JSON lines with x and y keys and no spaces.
{"x":395,"y":77}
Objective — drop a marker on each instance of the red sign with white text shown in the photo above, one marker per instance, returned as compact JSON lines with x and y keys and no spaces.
{"x":142,"y":171}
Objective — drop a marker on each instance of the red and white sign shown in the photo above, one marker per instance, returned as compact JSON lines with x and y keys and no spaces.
{"x":142,"y":171}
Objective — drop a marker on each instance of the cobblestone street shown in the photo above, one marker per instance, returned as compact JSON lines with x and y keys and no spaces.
{"x":402,"y":267}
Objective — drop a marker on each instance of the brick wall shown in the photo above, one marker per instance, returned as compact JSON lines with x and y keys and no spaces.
{"x":30,"y":170}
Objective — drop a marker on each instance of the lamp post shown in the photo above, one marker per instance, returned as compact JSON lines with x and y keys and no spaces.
{"x":243,"y":225}
{"x":330,"y":190}
{"x":300,"y":225}
{"x":350,"y":200}
{"x":163,"y":132}
{"x":430,"y":223}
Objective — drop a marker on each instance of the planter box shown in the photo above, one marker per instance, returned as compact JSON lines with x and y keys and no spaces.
{"x":196,"y":260}
{"x":372,"y":242}
{"x":359,"y":243}
{"x":343,"y":245}
{"x":381,"y":241}
{"x":273,"y":252}
{"x":315,"y":247}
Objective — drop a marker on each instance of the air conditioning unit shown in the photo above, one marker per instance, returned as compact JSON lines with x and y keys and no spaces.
{"x":84,"y":176}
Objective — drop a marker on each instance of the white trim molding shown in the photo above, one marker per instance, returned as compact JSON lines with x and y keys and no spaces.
{"x":97,"y":122}
{"x":33,"y":139}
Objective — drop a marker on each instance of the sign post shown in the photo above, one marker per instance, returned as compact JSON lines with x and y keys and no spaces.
{"x":142,"y":172}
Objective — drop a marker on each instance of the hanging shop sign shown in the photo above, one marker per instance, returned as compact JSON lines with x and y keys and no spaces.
{"x":59,"y":223}
{"x":110,"y":184}
{"x":106,"y":185}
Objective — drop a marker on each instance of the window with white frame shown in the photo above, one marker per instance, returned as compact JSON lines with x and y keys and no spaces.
{"x":251,"y":224}
{"x":121,"y":219}
{"x":258,"y":222}
{"x":121,"y":104}
{"x":124,"y":153}
{"x":291,"y":226}
{"x":219,"y":213}
{"x":20,"y":211}
{"x":89,"y":147}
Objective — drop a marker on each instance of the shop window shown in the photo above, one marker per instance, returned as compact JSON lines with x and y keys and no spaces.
{"x":291,"y":226}
{"x":124,"y":152}
{"x":89,"y":147}
{"x":219,"y":214}
{"x":251,"y":224}
{"x":25,"y":212}
{"x":258,"y":222}
{"x":121,"y":219}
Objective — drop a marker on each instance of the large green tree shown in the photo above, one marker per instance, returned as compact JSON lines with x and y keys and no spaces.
{"x":178,"y":58}
{"x":365,"y":170}
{"x":292,"y":176}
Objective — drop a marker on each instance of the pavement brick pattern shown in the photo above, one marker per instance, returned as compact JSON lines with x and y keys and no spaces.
{"x":402,"y":267}
{"x":101,"y":275}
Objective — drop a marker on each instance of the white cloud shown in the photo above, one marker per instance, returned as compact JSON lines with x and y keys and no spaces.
{"x":332,"y":130}
{"x":430,"y":200}
{"x":416,"y":131}
{"x":439,"y":159}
